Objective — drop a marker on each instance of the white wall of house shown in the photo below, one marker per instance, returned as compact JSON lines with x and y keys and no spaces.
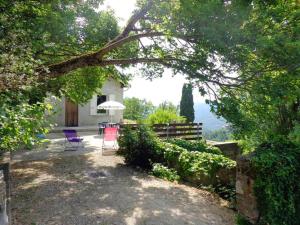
{"x":87,"y":113}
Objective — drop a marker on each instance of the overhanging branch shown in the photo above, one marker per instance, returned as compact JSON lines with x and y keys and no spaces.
{"x":123,"y":41}
{"x":58,"y":70}
{"x":136,"y":61}
{"x":133,"y":20}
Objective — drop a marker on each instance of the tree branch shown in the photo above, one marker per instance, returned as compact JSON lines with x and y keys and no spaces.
{"x":123,"y":41}
{"x":136,"y":61}
{"x":86,"y":62}
{"x":133,"y":20}
{"x":95,"y":58}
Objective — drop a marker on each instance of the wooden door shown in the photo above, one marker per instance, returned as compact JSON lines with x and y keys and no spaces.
{"x":71,"y":114}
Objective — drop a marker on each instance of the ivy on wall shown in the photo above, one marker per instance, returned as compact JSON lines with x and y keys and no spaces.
{"x":277,"y":186}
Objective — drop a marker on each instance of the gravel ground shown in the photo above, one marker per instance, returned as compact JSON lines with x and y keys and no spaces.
{"x":94,"y":189}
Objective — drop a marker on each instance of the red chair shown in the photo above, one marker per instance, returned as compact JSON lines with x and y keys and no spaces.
{"x":110,"y":135}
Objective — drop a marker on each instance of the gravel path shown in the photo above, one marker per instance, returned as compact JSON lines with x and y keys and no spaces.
{"x":94,"y":189}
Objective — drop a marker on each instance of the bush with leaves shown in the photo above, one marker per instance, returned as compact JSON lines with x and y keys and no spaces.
{"x":197,"y":146}
{"x":240,"y":220}
{"x":164,"y":172}
{"x":294,"y":135}
{"x":137,"y":146}
{"x":277,"y":186}
{"x":164,"y":116}
{"x":21,"y":122}
{"x":137,"y":109}
{"x":201,"y":167}
{"x":142,"y":148}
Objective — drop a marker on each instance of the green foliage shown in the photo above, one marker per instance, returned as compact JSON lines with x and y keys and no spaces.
{"x":164,"y":116}
{"x":138,"y":146}
{"x":268,"y":107}
{"x":246,"y":146}
{"x":240,"y":220}
{"x":187,"y":103}
{"x":58,"y":29}
{"x":46,"y":32}
{"x":223,"y":134}
{"x":170,"y":153}
{"x":163,"y":172}
{"x":140,"y":109}
{"x":228,"y":192}
{"x":142,"y":148}
{"x":137,"y":109}
{"x":256,"y":42}
{"x":200,"y":168}
{"x":268,"y":103}
{"x":169,"y":106}
{"x":21,"y":123}
{"x":277,"y":187}
{"x":81,"y":84}
{"x":295,"y":134}
{"x":38,"y":33}
{"x":203,"y":166}
{"x":197,"y":146}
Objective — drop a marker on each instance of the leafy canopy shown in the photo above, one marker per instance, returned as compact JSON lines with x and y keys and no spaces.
{"x":137,"y":109}
{"x":244,"y":54}
{"x":164,"y":117}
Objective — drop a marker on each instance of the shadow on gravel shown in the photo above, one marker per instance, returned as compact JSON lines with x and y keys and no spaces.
{"x":92,"y":189}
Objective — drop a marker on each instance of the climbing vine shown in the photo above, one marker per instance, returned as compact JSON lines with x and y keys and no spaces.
{"x":277,"y":186}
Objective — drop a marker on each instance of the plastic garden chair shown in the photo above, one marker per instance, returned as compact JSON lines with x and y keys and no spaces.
{"x":72,"y":139}
{"x":110,"y":135}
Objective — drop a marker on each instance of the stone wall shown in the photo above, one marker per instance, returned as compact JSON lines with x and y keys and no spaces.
{"x":229,"y":149}
{"x":246,"y":203}
{"x":245,"y":197}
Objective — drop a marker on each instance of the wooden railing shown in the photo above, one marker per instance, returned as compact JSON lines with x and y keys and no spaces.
{"x":188,"y":131}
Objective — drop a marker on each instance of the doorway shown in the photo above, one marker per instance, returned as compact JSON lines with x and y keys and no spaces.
{"x":71,"y":114}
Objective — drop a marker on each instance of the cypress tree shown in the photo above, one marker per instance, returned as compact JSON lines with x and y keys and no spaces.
{"x":187,"y":103}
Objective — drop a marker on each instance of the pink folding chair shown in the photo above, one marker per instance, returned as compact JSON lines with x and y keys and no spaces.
{"x":110,"y":135}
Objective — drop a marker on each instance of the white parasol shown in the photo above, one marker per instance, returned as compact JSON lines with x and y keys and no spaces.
{"x":111,"y":105}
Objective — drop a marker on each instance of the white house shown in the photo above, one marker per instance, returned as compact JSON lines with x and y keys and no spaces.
{"x":70,"y":114}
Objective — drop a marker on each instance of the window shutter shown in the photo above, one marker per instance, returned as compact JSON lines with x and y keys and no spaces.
{"x":93,"y":105}
{"x":111,"y":98}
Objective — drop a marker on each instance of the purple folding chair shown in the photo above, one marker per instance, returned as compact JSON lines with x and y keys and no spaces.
{"x":72,"y":139}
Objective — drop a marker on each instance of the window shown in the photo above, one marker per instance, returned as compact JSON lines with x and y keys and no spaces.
{"x":101,"y":99}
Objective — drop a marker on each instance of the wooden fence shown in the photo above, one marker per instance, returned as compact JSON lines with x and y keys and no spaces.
{"x":188,"y":131}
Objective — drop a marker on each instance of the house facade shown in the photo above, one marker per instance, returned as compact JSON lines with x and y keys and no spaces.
{"x":70,"y":114}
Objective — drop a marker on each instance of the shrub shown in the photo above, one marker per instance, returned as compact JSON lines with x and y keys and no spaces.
{"x":164,"y":116}
{"x":198,"y":146}
{"x":22,"y":124}
{"x":170,"y":153}
{"x":240,"y":220}
{"x":141,"y":147}
{"x":202,"y":167}
{"x":164,"y":172}
{"x":137,"y":146}
{"x":295,"y":134}
{"x":277,"y":186}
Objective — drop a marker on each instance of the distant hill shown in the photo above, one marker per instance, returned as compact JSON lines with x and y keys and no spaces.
{"x":204,"y":115}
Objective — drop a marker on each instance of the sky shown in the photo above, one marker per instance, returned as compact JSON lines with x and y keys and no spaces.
{"x":167,"y":88}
